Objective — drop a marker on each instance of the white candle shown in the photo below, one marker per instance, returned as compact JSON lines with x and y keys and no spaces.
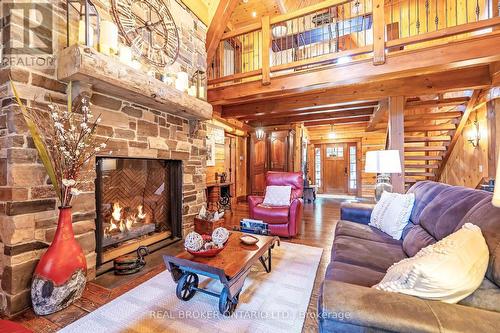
{"x":201,"y":92}
{"x":182,"y":81}
{"x":108,"y":42}
{"x":81,"y":34}
{"x":125,"y":54}
{"x":192,"y":91}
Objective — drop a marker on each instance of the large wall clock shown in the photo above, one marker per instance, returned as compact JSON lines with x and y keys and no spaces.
{"x":148,"y":28}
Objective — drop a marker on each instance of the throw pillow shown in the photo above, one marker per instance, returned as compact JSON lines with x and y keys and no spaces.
{"x":392,"y":213}
{"x":448,"y":270}
{"x":277,"y":196}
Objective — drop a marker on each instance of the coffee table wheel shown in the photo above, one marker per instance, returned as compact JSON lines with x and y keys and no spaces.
{"x":186,"y":286}
{"x":227,"y":305}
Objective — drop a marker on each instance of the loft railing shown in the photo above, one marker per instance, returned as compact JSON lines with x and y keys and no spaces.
{"x":339,"y":31}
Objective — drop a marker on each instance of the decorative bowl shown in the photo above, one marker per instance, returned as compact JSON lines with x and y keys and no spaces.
{"x":249,"y":239}
{"x":207,"y":253}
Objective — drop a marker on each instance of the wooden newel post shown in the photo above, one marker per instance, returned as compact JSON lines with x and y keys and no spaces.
{"x":378,"y":32}
{"x":266,"y":46}
{"x":396,"y":139}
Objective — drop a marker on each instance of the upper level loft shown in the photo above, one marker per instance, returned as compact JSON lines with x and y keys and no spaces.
{"x":338,"y":43}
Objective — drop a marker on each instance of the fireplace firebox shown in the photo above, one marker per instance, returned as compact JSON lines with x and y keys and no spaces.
{"x":138,"y":203}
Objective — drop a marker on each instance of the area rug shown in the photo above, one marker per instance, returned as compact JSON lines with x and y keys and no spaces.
{"x":274,"y":302}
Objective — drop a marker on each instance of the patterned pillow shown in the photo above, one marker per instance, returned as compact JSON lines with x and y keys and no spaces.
{"x":448,"y":271}
{"x":277,"y":196}
{"x":392,"y":213}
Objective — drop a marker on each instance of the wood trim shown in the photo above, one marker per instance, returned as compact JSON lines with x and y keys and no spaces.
{"x":396,"y":138}
{"x":266,"y":45}
{"x":378,"y":32}
{"x":218,"y":25}
{"x":238,"y":32}
{"x":377,"y":116}
{"x":235,"y":77}
{"x":447,"y":32}
{"x":470,"y":105}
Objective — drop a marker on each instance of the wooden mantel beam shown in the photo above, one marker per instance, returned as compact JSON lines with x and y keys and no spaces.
{"x":479,"y":50}
{"x":218,"y":25}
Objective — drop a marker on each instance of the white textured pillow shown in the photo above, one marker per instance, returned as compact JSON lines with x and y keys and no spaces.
{"x":392,"y":213}
{"x":278,"y":196}
{"x":448,"y":270}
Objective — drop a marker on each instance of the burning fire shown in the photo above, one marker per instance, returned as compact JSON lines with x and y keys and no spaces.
{"x":124,"y":223}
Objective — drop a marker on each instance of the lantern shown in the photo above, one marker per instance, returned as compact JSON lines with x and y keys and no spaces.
{"x":88,"y":22}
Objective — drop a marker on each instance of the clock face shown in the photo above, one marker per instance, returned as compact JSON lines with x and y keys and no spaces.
{"x":148,"y":28}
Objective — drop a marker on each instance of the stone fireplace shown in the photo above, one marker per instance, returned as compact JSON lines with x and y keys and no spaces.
{"x":137,"y":204}
{"x":141,"y":119}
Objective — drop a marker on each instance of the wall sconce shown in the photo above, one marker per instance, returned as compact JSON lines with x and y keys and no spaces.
{"x":475,"y":134}
{"x":88,"y":22}
{"x":259,"y":134}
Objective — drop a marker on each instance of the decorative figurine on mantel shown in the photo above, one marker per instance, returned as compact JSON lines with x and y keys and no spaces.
{"x":206,"y":222}
{"x":66,"y":143}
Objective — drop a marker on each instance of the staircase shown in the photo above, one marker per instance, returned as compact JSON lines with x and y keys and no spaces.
{"x":427,"y":140}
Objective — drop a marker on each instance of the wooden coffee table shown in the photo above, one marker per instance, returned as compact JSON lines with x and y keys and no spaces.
{"x":231,"y":266}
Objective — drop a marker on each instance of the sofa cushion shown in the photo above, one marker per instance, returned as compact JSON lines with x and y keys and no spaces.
{"x":357,"y":230}
{"x":487,"y":217}
{"x":271,"y":214}
{"x":425,"y":192}
{"x":366,"y":253}
{"x":416,"y":239}
{"x":392,"y":213}
{"x":441,"y":216}
{"x":359,"y":275}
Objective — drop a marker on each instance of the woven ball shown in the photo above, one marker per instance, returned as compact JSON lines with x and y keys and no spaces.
{"x":220,"y":235}
{"x":193,"y":242}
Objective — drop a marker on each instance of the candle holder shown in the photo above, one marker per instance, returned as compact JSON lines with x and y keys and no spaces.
{"x":88,"y":22}
{"x":199,"y":78}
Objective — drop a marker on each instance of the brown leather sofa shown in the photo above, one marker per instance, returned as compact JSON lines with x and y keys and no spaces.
{"x":361,"y":255}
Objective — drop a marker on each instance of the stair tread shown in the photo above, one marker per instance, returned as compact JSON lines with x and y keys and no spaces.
{"x":417,"y":173}
{"x":422,"y":166}
{"x":423,"y":158}
{"x":442,"y":138}
{"x":427,"y":148}
{"x":423,"y":128}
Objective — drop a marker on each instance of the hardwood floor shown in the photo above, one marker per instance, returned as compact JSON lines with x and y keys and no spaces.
{"x":317,"y":230}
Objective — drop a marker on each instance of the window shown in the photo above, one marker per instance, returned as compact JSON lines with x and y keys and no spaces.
{"x":352,"y":168}
{"x":335,"y":152}
{"x":317,"y":166}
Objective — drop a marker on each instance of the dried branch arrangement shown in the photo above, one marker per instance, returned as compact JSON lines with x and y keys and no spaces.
{"x":65,"y":139}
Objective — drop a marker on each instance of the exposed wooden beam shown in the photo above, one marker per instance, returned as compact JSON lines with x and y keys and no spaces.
{"x":322,"y":116}
{"x":463,"y":53}
{"x":218,"y":25}
{"x":378,"y":32}
{"x":396,"y":138}
{"x":352,"y":120}
{"x":433,"y":116}
{"x":378,"y":115}
{"x":289,"y":107}
{"x":436,"y":103}
{"x":470,"y":106}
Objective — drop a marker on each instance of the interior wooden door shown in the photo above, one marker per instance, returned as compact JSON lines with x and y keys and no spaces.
{"x":258,"y":165}
{"x":278,"y":151}
{"x":335,"y":168}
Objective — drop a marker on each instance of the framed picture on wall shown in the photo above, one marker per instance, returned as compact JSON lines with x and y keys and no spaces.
{"x":210,"y":152}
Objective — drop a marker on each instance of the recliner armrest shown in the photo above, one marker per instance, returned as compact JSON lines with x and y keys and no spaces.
{"x":346,"y":307}
{"x":356,"y":212}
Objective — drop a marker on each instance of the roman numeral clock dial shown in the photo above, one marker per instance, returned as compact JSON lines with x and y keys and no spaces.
{"x":149,"y":29}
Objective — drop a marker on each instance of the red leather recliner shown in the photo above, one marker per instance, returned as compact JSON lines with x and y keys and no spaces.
{"x":283,"y":220}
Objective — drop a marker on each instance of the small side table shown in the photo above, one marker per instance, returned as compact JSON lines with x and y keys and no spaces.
{"x":310,"y":193}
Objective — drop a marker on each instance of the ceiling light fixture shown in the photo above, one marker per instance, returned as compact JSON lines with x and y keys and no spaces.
{"x":259,"y":133}
{"x":279,"y":30}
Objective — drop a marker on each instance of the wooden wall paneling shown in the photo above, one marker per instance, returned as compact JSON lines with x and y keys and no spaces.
{"x":241,"y":168}
{"x":396,"y":138}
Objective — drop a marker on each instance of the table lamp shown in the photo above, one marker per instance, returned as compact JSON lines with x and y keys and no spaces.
{"x":383,"y":162}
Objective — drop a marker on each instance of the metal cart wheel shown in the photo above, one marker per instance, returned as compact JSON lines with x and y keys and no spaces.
{"x":186,"y":286}
{"x":227,"y":305}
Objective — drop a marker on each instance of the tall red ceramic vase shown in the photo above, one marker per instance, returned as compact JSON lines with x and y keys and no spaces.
{"x":60,"y":275}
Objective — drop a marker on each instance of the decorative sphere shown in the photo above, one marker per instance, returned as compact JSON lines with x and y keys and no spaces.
{"x":194,"y":241}
{"x":220,"y":235}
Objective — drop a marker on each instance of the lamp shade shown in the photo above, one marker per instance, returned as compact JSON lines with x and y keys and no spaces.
{"x":383,"y":161}
{"x":496,"y":193}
